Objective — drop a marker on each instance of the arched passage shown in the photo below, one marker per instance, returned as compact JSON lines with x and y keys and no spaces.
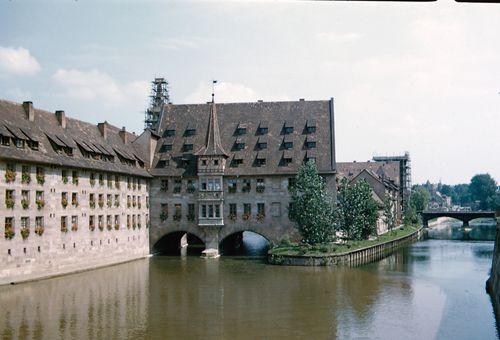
{"x":179,"y":243}
{"x":244,"y":243}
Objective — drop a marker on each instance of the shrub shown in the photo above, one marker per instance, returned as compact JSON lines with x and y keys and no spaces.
{"x":25,"y":232}
{"x":39,"y":230}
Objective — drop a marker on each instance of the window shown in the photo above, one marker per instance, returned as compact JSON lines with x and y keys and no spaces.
{"x":74,"y":223}
{"x":20,"y":143}
{"x":260,"y":161}
{"x":247,"y":185}
{"x":238,"y":145}
{"x":164,"y":185}
{"x":262,"y":145}
{"x":91,"y":222}
{"x":64,"y":223}
{"x":236,"y":161}
{"x":240,"y":131}
{"x":310,"y":145}
{"x":117,"y":200}
{"x":217,"y":210}
{"x":261,"y":210}
{"x":38,"y":222}
{"x":5,"y":140}
{"x":247,"y":211}
{"x":287,"y":130}
{"x":262,"y":130}
{"x":189,"y":132}
{"x":216,"y":162}
{"x":166,"y":147}
{"x":187,"y":147}
{"x":287,"y":145}
{"x":25,"y":222}
{"x":232,"y":211}
{"x":75,"y":177}
{"x":232,"y":185}
{"x":9,"y":227}
{"x":204,"y":210}
{"x":74,"y":199}
{"x":291,"y":183}
{"x":177,"y":212}
{"x":260,"y":187}
{"x":177,"y":185}
{"x":64,"y":199}
{"x":101,"y":222}
{"x":25,"y":174}
{"x":64,"y":176}
{"x":169,"y":133}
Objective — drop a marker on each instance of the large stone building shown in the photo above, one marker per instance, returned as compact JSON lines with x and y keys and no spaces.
{"x":73,"y":195}
{"x":221,"y":169}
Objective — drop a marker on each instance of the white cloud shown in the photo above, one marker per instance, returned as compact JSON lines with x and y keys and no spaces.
{"x":337,"y":38}
{"x":227,"y":92}
{"x":99,"y":86}
{"x":17,"y":61}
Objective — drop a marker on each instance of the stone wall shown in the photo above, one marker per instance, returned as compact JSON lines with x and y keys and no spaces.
{"x":493,"y":283}
{"x":274,"y":226}
{"x":56,"y":252}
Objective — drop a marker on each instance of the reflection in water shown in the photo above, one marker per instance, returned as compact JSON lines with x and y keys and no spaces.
{"x":479,"y":230}
{"x":246,"y":244}
{"x":432,"y":289}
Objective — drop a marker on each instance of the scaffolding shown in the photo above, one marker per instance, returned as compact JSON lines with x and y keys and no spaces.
{"x":404,"y":175}
{"x":159,"y":97}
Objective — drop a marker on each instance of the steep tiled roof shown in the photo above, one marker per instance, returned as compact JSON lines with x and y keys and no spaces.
{"x":245,"y":124}
{"x":46,"y":126}
{"x":388,"y":170}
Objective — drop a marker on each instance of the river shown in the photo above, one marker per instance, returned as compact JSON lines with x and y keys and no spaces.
{"x":433,"y":289}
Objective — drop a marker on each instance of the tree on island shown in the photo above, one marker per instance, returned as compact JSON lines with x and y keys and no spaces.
{"x":389,"y":217}
{"x":483,"y":189}
{"x":311,"y":207}
{"x":358,"y":211}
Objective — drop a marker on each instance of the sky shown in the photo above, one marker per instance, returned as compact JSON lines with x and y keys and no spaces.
{"x":417,"y":77}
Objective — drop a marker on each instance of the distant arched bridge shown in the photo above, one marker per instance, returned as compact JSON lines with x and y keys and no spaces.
{"x":464,"y":216}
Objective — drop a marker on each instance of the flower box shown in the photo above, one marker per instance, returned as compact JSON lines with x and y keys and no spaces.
{"x":24,"y":203}
{"x":246,"y":216}
{"x":25,"y":232}
{"x":10,"y":175}
{"x":163,"y":216}
{"x":39,"y":230}
{"x":177,"y":217}
{"x":25,"y":178}
{"x":9,"y":203}
{"x":40,"y":203}
{"x":117,"y":226}
{"x":40,"y":179}
{"x":64,"y":202}
{"x":9,"y":233}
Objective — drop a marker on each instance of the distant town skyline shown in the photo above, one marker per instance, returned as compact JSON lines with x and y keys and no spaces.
{"x":417,"y":77}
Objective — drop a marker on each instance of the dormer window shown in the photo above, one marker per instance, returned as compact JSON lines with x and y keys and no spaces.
{"x":310,"y":126}
{"x":19,"y":143}
{"x":189,"y":132}
{"x":237,"y":160}
{"x":310,"y":144}
{"x":187,"y":147}
{"x":286,"y":158}
{"x":5,"y":140}
{"x":287,"y":128}
{"x":241,"y":129}
{"x":169,"y":133}
{"x":262,"y":145}
{"x":238,"y":144}
{"x":263,"y":128}
{"x":166,"y":147}
{"x":310,"y":156}
{"x":287,"y":143}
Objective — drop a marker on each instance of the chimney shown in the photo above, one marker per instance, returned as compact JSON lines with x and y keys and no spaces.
{"x":123,"y":135}
{"x":61,"y":118}
{"x":29,"y":110}
{"x":103,"y":128}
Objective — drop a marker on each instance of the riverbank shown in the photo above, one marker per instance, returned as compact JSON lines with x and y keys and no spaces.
{"x":350,"y":253}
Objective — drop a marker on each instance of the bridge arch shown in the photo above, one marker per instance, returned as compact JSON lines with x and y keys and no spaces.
{"x":170,"y":240}
{"x":263,"y":230}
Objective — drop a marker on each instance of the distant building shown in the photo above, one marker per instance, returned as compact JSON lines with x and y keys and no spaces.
{"x":383,"y":178}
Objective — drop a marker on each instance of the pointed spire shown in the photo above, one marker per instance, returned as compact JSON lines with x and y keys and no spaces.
{"x":213,"y":145}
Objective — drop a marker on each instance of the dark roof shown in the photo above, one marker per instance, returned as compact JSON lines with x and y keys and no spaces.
{"x":273,"y":115}
{"x":384,"y":170}
{"x":46,"y":125}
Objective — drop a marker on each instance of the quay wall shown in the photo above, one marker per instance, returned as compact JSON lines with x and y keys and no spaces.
{"x":352,"y":258}
{"x":493,"y":283}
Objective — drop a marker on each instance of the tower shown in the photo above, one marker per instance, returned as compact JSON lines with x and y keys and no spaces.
{"x":159,"y":97}
{"x":211,"y":164}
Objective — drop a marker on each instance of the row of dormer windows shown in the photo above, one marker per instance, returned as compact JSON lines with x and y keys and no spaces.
{"x":241,"y":130}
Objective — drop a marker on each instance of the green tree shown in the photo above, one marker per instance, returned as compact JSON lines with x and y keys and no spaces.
{"x":311,"y":207}
{"x":482,"y":188}
{"x":494,"y":202}
{"x":410,"y":216}
{"x":358,"y":210}
{"x":389,"y":218}
{"x":419,"y":199}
